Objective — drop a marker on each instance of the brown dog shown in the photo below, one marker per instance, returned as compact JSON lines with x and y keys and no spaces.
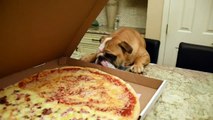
{"x":124,"y":47}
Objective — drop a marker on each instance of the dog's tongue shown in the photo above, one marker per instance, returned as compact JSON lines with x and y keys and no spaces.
{"x":107,"y":64}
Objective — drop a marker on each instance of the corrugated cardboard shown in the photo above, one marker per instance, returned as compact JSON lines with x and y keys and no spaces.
{"x":36,"y":31}
{"x":42,"y":34}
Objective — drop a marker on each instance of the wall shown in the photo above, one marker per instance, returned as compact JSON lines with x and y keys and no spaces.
{"x":154,"y":19}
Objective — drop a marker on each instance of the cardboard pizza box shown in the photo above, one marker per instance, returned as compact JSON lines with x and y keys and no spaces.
{"x":37,"y":35}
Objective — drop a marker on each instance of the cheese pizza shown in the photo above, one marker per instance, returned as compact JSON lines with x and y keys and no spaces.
{"x":69,"y":93}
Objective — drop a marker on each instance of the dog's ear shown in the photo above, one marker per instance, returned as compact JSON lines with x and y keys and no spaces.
{"x":125,"y":47}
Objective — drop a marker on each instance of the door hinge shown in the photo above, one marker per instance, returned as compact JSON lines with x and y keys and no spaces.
{"x":166,"y":29}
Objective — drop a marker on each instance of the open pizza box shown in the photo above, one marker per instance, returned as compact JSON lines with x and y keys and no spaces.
{"x":37,"y":35}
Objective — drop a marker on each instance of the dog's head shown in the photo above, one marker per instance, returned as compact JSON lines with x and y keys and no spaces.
{"x":113,"y":50}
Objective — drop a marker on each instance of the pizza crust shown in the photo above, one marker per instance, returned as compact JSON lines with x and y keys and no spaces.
{"x":69,"y":90}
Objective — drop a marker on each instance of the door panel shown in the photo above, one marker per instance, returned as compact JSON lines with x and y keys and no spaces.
{"x":186,"y":15}
{"x":208,"y":30}
{"x":189,"y":21}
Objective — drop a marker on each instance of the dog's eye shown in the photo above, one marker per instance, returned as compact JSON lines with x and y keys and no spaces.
{"x":110,"y":56}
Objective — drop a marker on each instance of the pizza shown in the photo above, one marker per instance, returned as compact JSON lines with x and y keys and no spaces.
{"x":69,"y":93}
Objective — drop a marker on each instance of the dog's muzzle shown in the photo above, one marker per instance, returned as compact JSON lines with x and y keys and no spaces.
{"x":102,"y":60}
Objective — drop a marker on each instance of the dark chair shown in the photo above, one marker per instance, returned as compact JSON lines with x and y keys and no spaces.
{"x":195,"y":57}
{"x":152,"y":47}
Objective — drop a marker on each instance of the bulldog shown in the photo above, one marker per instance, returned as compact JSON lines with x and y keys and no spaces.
{"x":124,"y":47}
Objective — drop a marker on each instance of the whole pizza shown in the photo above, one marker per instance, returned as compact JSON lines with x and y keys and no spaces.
{"x":69,"y":93}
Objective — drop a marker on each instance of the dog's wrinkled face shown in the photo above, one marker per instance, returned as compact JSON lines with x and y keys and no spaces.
{"x":113,"y":51}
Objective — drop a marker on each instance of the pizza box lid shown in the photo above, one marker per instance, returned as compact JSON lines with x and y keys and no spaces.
{"x":34,"y":32}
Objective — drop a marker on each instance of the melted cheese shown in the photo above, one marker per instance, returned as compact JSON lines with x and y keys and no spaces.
{"x":64,"y":96}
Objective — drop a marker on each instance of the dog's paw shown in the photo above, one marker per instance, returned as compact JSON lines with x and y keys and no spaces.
{"x":137,"y":68}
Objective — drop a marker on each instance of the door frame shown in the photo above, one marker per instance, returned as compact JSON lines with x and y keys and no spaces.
{"x":164,"y":30}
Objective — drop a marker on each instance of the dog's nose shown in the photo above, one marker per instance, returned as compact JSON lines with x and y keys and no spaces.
{"x":99,"y":59}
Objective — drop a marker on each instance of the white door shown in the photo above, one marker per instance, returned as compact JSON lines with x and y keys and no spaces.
{"x":189,"y":21}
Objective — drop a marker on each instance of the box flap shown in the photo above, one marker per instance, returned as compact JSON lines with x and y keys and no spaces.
{"x":34,"y":32}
